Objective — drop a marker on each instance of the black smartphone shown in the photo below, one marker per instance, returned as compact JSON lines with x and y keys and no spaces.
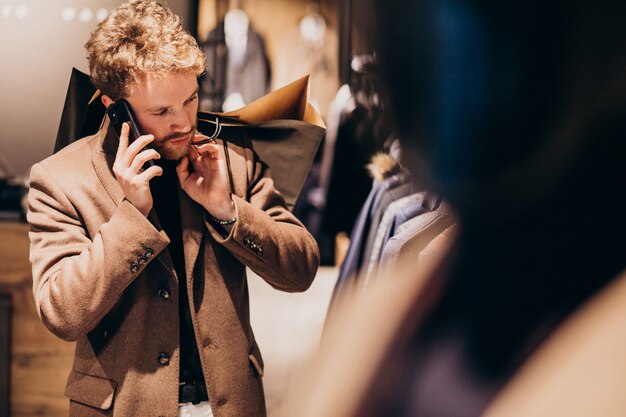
{"x":120,"y":112}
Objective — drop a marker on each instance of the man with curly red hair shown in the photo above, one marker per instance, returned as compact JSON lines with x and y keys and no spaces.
{"x":146,"y":268}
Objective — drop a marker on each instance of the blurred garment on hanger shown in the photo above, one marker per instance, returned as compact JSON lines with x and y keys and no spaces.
{"x":238,"y":69}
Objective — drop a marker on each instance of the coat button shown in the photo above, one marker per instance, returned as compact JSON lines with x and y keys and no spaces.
{"x":164,"y":294}
{"x":247,"y":241}
{"x":141,"y":260}
{"x":164,"y":359}
{"x":134,"y":267}
{"x":259,"y":249}
{"x":149,"y":252}
{"x":210,"y":343}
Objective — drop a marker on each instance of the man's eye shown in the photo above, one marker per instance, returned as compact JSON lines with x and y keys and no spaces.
{"x":192,"y":99}
{"x":161,"y":113}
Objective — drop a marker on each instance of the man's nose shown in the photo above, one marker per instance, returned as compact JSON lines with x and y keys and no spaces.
{"x":181,"y":121}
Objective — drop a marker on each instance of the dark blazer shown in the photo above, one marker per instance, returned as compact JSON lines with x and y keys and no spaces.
{"x":102,"y":276}
{"x":251,"y":78}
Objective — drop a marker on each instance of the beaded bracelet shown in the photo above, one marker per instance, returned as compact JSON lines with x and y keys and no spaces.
{"x":221,"y":222}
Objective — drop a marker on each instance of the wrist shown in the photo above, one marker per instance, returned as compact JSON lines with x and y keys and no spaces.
{"x":224,"y":214}
{"x":143,"y":209}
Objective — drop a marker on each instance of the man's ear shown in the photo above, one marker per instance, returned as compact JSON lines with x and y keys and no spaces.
{"x":106,"y":100}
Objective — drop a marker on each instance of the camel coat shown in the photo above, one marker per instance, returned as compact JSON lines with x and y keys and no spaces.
{"x":103,"y":277}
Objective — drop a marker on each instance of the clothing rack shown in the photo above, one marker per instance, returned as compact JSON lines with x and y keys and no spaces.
{"x":396,"y":222}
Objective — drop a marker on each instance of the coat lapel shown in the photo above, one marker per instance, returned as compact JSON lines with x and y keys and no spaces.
{"x":103,"y":156}
{"x":192,"y":224}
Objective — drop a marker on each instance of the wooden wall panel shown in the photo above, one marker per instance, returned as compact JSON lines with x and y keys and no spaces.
{"x":5,"y":349}
{"x":40,"y":361}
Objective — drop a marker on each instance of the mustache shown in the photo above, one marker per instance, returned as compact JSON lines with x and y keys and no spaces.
{"x":179,"y":135}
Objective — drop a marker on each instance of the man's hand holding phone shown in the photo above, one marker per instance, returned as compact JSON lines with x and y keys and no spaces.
{"x":128,"y":169}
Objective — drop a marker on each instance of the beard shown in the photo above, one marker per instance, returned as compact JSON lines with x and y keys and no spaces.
{"x":173,"y":152}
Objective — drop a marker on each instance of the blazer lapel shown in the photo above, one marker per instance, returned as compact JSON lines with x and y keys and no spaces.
{"x":103,"y":155}
{"x":192,"y":224}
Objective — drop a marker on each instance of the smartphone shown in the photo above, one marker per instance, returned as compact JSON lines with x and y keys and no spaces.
{"x":120,"y":112}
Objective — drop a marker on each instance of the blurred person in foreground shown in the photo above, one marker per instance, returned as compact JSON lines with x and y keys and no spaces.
{"x":515,"y":113}
{"x":145,"y":269}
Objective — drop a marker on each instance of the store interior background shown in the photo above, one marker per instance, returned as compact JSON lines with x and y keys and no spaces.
{"x":40,"y":42}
